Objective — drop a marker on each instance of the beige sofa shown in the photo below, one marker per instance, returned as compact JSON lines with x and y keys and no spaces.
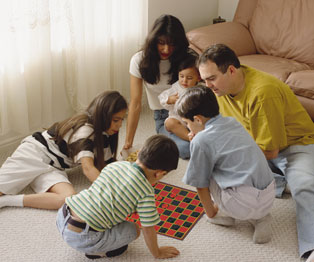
{"x":275,"y":36}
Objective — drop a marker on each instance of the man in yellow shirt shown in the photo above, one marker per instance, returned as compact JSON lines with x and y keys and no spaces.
{"x":279,"y":124}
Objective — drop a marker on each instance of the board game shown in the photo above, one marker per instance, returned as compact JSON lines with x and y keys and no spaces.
{"x":179,"y":210}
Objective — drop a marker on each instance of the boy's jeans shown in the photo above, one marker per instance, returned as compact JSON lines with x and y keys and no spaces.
{"x":91,"y":242}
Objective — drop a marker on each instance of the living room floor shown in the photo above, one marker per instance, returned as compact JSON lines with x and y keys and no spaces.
{"x":31,"y":235}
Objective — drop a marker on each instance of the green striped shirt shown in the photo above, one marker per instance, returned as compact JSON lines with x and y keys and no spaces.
{"x":120,"y":190}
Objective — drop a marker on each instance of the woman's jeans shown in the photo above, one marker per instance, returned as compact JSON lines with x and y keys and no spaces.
{"x":183,"y":146}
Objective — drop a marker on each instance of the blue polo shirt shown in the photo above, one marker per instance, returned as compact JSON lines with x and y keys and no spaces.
{"x":224,"y":151}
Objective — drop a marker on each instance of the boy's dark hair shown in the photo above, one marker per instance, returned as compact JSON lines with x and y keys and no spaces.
{"x":159,"y":152}
{"x":221,"y":55}
{"x":172,"y":28}
{"x":190,"y":60}
{"x":199,"y":100}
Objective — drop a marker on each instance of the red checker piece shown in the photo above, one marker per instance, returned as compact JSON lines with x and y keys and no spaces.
{"x":175,"y":190}
{"x":164,"y":206}
{"x":158,"y":198}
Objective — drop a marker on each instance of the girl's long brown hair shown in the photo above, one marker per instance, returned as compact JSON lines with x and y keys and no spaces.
{"x":99,"y":114}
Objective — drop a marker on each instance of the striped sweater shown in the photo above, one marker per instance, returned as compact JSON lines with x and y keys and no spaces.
{"x":120,"y":189}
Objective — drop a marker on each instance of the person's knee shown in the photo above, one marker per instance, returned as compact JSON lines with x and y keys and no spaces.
{"x":62,"y":196}
{"x":60,"y":200}
{"x":62,"y":191}
{"x":305,"y":187}
{"x":301,"y":184}
{"x":170,"y":124}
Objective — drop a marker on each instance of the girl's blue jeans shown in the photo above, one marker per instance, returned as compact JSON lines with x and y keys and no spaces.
{"x":183,"y":146}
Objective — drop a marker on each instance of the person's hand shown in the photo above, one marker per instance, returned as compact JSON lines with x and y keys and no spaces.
{"x":127,"y":145}
{"x":214,"y":211}
{"x":168,"y":252}
{"x":172,"y":99}
{"x":191,"y":135}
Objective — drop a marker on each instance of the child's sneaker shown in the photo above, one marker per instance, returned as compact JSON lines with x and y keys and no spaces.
{"x":262,"y":232}
{"x":221,"y":219}
{"x":93,"y":256}
{"x":112,"y":253}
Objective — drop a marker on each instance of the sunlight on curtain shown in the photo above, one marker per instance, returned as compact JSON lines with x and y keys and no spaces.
{"x":57,"y":55}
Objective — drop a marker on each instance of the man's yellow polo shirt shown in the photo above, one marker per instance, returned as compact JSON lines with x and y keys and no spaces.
{"x":269,"y":111}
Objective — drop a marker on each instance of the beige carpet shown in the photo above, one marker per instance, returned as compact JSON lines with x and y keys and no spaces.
{"x":31,"y":235}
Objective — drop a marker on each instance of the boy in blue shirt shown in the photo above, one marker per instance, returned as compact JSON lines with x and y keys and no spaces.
{"x":229,"y":170}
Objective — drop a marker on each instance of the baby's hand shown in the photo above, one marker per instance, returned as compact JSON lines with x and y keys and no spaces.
{"x":191,"y":135}
{"x":168,"y":252}
{"x":172,"y":99}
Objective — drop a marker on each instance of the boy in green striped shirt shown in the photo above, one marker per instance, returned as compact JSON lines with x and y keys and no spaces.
{"x":94,"y":220}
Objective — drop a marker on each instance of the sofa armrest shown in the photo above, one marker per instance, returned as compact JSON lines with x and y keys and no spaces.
{"x":232,"y":34}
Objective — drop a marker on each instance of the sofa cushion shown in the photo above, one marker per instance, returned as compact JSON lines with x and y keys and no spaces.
{"x":285,"y":29}
{"x":203,"y":37}
{"x":277,"y":66}
{"x":302,"y":83}
{"x":308,"y":105}
{"x":244,"y":11}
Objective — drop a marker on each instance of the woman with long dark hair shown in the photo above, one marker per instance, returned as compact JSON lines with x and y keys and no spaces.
{"x":155,"y":68}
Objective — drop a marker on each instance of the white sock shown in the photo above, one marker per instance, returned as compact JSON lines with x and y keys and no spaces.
{"x":221,"y":219}
{"x":11,"y":201}
{"x":262,"y":232}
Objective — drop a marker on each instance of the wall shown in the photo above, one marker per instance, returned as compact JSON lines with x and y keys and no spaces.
{"x":192,"y":13}
{"x":226,"y":9}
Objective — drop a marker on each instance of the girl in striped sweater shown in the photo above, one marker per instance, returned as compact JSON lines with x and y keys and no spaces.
{"x":89,"y":139}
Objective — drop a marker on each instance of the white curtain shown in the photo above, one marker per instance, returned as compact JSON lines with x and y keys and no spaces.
{"x":57,"y":55}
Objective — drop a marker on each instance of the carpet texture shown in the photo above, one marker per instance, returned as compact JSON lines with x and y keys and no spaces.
{"x":31,"y":235}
